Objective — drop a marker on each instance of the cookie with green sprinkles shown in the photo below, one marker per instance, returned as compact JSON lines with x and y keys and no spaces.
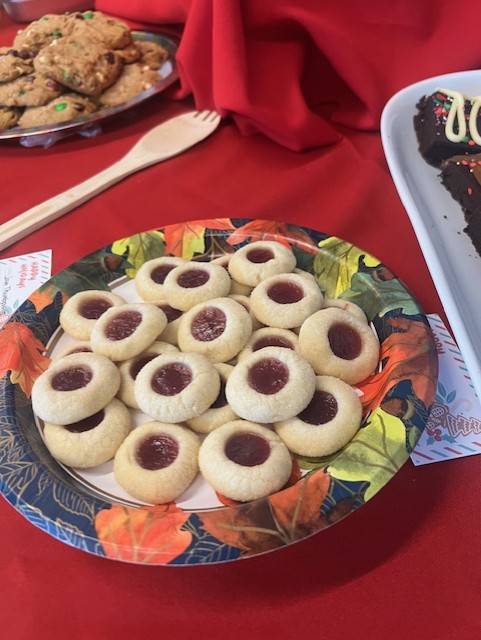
{"x":95,"y":26}
{"x":32,"y":90}
{"x":42,"y":32}
{"x":86,"y":67}
{"x":66,"y":107}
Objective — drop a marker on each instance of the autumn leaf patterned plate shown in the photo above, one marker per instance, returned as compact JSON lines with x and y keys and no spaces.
{"x":167,"y":75}
{"x":88,"y":512}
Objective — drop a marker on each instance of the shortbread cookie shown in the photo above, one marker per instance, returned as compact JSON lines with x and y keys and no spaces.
{"x":338,"y":344}
{"x":245,"y":301}
{"x":235,"y":287}
{"x":80,"y":312}
{"x":129,"y":369}
{"x":14,"y":63}
{"x":327,"y":424}
{"x":79,"y":346}
{"x":125,"y":331}
{"x":152,"y":53}
{"x":346,"y":305}
{"x":256,"y":261}
{"x":176,"y":387}
{"x":194,"y":282}
{"x":285,"y":300}
{"x":270,"y":385}
{"x":95,"y":26}
{"x":270,"y":337}
{"x":75,"y":387}
{"x":219,"y":411}
{"x":68,"y":106}
{"x":91,"y":441}
{"x":33,"y":90}
{"x":149,"y":279}
{"x":244,"y":461}
{"x":170,"y":333}
{"x":157,"y":462}
{"x":9,"y":116}
{"x":40,"y":33}
{"x":86,"y":67}
{"x":133,"y":80}
{"x":217,"y":328}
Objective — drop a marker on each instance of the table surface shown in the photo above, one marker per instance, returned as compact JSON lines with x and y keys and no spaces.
{"x":405,"y":564}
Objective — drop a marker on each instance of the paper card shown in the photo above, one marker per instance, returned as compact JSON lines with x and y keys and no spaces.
{"x":454,"y":426}
{"x":19,"y":277}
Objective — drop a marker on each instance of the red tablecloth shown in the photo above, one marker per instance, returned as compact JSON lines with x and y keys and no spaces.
{"x":405,"y":565}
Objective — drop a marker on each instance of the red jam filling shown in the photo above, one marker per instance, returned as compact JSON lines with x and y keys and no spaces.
{"x":268,"y":376}
{"x":247,"y":449}
{"x":72,"y":378}
{"x":157,"y":452}
{"x":345,"y":342}
{"x":285,"y":292}
{"x":221,"y":400}
{"x":87,"y":423}
{"x":171,"y":379}
{"x":209,"y":324}
{"x":272,"y":341}
{"x":259,"y":255}
{"x":193,"y":278}
{"x":171,"y":313}
{"x":321,"y":409}
{"x":123,"y":325}
{"x":139,"y":363}
{"x":92,"y":309}
{"x":159,"y":274}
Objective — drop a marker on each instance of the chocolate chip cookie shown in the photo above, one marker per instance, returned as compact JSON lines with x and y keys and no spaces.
{"x":33,"y":90}
{"x":66,"y":107}
{"x":14,"y":64}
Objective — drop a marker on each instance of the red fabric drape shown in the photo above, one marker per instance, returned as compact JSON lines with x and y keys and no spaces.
{"x":293,"y":69}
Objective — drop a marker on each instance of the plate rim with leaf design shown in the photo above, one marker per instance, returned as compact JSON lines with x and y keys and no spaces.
{"x":396,"y":398}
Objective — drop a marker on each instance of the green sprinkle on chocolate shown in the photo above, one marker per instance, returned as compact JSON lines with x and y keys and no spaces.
{"x":57,"y":33}
{"x":60,"y":106}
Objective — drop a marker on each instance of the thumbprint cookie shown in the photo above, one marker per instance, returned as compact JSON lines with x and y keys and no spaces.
{"x":346,"y":305}
{"x":79,"y":346}
{"x":270,"y":337}
{"x":157,"y":462}
{"x":235,"y":287}
{"x":130,"y":368}
{"x":338,"y":344}
{"x":75,"y":387}
{"x":82,"y":310}
{"x":269,"y":385}
{"x":244,"y":461}
{"x":175,"y":387}
{"x":91,"y":441}
{"x":149,"y":279}
{"x":259,"y":260}
{"x":285,"y":300}
{"x":218,"y":329}
{"x":123,"y":332}
{"x":219,"y":411}
{"x":328,"y":422}
{"x":194,"y":282}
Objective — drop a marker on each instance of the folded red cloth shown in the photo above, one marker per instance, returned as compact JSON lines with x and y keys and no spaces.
{"x":297,"y":69}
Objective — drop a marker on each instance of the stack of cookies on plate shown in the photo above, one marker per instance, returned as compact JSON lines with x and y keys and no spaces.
{"x":63,"y":67}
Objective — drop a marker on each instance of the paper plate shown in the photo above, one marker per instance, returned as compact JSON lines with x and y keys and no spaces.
{"x":88,"y":511}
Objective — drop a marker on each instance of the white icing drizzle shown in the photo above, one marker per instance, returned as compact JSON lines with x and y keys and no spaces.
{"x":456,"y":114}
